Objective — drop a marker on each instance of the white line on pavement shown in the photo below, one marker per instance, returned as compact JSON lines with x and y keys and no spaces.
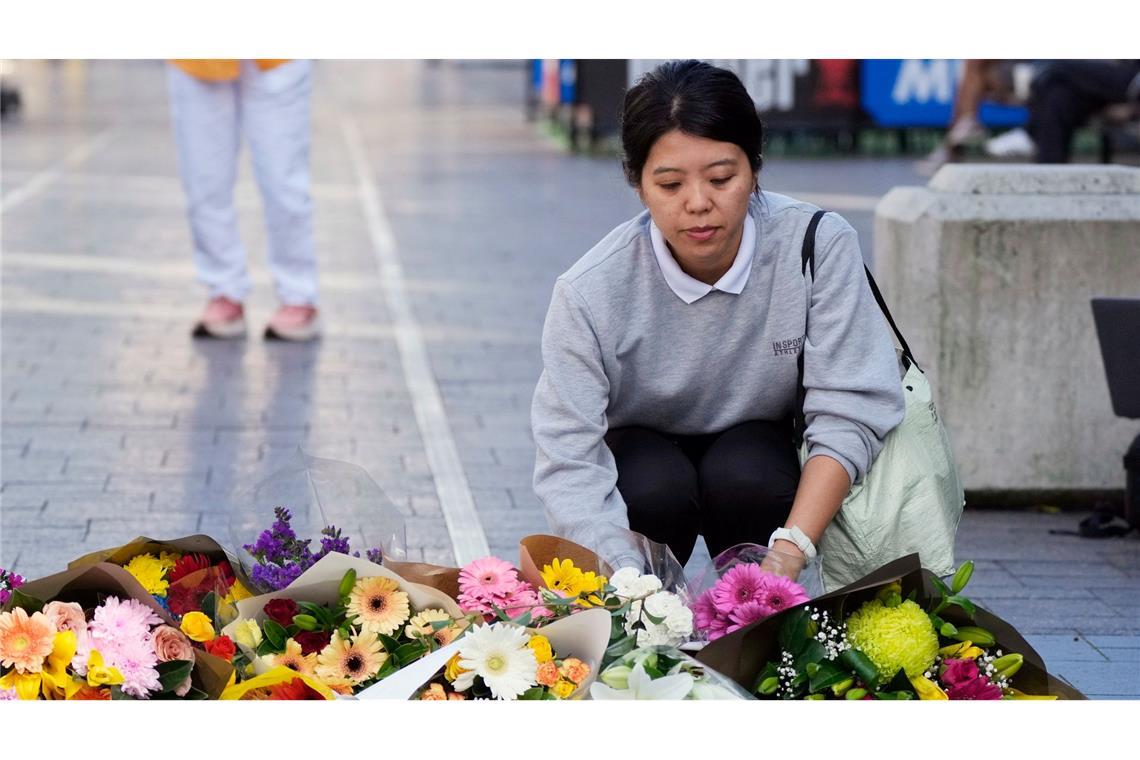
{"x":41,"y":180}
{"x":468,"y":539}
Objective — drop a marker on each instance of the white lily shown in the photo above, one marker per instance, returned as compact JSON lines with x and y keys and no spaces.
{"x":641,"y":686}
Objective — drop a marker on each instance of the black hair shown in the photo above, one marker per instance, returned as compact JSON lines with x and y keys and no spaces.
{"x":696,"y":98}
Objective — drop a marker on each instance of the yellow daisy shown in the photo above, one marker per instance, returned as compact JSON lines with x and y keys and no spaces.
{"x":563,"y":578}
{"x":293,"y":659}
{"x":378,"y":605}
{"x":356,"y":659}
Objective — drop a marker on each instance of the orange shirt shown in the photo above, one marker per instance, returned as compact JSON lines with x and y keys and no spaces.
{"x":221,"y":69}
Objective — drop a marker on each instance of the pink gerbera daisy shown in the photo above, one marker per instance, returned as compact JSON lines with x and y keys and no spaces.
{"x":779,"y":592}
{"x":741,"y":584}
{"x":749,"y":612}
{"x":704,"y":611}
{"x":489,"y":576}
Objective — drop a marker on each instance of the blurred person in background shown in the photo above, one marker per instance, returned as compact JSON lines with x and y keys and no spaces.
{"x":213,"y":102}
{"x":1065,"y":94}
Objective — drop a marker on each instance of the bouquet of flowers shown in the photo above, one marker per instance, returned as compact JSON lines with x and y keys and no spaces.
{"x":345,"y":622}
{"x":746,"y":583}
{"x":663,"y":672}
{"x":92,"y":633}
{"x":899,"y":633}
{"x":506,"y":661}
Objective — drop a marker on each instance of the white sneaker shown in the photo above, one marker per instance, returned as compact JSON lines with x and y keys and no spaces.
{"x":1016,"y":143}
{"x":966,"y":131}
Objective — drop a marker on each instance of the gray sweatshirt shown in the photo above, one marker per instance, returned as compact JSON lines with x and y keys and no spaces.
{"x":620,"y":348}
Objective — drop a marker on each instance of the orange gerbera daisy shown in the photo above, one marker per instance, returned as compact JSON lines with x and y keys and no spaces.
{"x":356,"y":659}
{"x":378,"y":605}
{"x":293,"y":659}
{"x":25,"y":641}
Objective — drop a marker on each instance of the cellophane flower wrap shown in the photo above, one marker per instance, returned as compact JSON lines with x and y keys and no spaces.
{"x":663,"y":673}
{"x":746,"y":583}
{"x":900,"y":633}
{"x":309,"y":508}
{"x":94,"y":633}
{"x":346,"y":622}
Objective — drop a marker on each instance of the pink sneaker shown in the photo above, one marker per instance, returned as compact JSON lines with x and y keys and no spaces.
{"x":299,"y":323}
{"x":222,"y":318}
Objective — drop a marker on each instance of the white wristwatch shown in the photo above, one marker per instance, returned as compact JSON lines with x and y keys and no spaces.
{"x":797,"y":537}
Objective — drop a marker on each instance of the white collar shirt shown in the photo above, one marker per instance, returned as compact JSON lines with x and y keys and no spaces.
{"x":690,"y":289}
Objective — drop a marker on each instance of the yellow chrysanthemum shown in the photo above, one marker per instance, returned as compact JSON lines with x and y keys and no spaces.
{"x":168,"y":559}
{"x":563,"y":578}
{"x":894,"y":637}
{"x":378,"y":605}
{"x":150,"y":571}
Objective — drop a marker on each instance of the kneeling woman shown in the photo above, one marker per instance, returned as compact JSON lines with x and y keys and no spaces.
{"x":670,"y":350}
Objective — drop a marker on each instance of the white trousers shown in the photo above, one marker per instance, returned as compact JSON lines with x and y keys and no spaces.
{"x":272,"y":109}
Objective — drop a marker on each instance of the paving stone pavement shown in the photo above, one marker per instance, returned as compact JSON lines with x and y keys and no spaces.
{"x":116,"y":424}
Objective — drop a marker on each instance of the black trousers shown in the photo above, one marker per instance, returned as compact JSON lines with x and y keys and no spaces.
{"x":1063,"y":97}
{"x":731,"y":487}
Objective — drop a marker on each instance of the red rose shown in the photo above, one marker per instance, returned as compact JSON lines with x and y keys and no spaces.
{"x":221,"y":646}
{"x":281,"y":611}
{"x":312,"y":641}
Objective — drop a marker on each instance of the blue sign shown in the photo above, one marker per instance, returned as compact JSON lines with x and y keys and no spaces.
{"x":568,"y":79}
{"x":920,"y":93}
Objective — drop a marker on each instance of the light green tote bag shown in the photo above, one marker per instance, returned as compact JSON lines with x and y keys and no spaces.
{"x":911,"y":499}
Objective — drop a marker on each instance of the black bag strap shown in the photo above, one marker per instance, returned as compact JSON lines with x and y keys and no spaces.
{"x":807,"y":262}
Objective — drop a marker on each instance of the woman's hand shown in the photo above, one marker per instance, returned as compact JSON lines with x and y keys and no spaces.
{"x":784,"y":558}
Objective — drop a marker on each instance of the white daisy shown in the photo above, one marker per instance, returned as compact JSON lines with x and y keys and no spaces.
{"x":499,"y":655}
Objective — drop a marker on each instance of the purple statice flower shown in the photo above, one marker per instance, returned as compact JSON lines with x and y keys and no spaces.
{"x":279,"y":544}
{"x":375,"y":555}
{"x":333,"y":541}
{"x":275,"y":577}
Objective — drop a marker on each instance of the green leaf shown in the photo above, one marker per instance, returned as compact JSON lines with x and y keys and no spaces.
{"x":535,"y":693}
{"x":942,"y":587}
{"x":524,"y":619}
{"x":388,"y":668}
{"x":769,"y":671}
{"x":652,"y":618}
{"x":390,"y":644}
{"x":899,"y":682}
{"x":827,"y":675}
{"x":964,"y":603}
{"x":266,"y":647}
{"x":275,"y":634}
{"x":861,"y":666}
{"x":117,"y":694}
{"x":171,"y":674}
{"x":29,"y":604}
{"x":210,"y":606}
{"x":409,"y":653}
{"x":794,"y":630}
